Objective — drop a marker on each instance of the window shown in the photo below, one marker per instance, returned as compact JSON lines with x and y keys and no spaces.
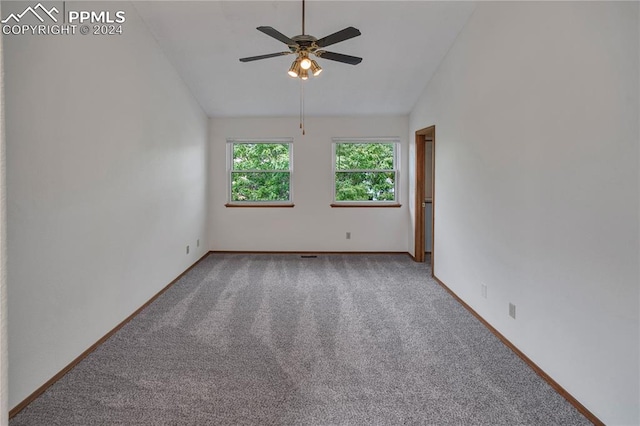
{"x":260,"y":172}
{"x":365,"y":172}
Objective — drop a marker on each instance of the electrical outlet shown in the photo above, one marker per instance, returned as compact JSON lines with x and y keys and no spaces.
{"x":187,"y":249}
{"x":198,"y":243}
{"x":512,"y":310}
{"x":348,"y":235}
{"x":484,"y":290}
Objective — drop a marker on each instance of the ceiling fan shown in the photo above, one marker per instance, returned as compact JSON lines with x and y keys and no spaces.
{"x":305,"y":45}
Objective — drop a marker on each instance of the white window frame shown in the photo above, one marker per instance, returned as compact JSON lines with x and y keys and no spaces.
{"x":396,"y":169}
{"x":280,"y":141}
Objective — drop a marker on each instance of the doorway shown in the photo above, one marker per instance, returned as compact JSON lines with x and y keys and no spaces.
{"x":425,"y":194}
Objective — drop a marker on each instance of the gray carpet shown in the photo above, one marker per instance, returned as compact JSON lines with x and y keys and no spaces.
{"x":280,"y":340}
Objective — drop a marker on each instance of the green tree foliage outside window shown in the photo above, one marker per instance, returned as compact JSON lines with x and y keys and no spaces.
{"x":365,"y":171}
{"x":260,"y":172}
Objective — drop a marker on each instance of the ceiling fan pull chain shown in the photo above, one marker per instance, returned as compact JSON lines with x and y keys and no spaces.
{"x":302,"y":106}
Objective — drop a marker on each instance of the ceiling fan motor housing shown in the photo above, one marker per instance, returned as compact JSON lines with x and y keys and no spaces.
{"x":304,"y":43}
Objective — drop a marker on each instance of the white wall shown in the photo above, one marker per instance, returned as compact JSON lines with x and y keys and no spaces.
{"x":4,"y":401}
{"x":536,"y":114}
{"x":312,"y":225}
{"x":106,"y":171}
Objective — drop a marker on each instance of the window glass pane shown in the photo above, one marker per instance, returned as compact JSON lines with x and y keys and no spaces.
{"x":260,"y":186}
{"x":365,"y":186}
{"x":260,"y":156}
{"x":364,"y":156}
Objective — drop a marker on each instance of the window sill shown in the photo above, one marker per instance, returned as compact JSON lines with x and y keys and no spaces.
{"x":369,"y":205}
{"x":271,"y":206}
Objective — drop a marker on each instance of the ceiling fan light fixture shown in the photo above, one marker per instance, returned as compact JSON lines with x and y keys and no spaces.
{"x":315,"y":68}
{"x":305,"y":62}
{"x":304,"y":45}
{"x":294,"y":71}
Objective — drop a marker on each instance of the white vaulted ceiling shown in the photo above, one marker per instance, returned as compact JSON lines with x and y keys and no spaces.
{"x":402,"y":44}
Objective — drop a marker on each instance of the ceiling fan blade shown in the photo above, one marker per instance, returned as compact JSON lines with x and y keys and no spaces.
{"x":341,"y":35}
{"x":270,"y":31}
{"x":270,"y":55}
{"x":339,"y":57}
